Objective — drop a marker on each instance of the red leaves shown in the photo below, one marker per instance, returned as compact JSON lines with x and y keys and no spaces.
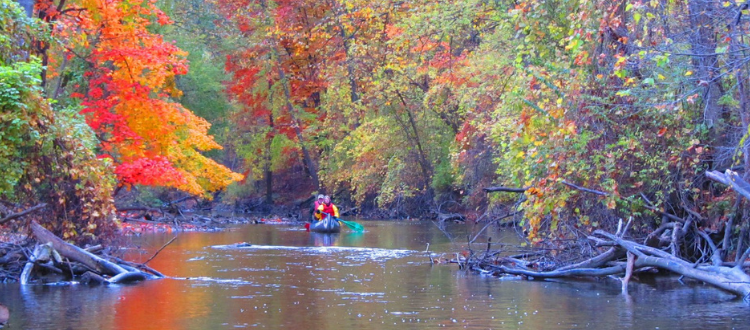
{"x":150,"y":172}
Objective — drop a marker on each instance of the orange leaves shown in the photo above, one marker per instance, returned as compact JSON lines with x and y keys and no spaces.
{"x":154,"y":139}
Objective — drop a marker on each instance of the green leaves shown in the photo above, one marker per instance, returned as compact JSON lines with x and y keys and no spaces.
{"x":18,"y":84}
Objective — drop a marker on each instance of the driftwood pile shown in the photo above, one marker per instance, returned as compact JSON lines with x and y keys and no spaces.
{"x":621,"y":257}
{"x":47,"y":258}
{"x":718,"y":258}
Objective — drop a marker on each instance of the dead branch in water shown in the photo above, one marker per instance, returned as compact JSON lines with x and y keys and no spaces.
{"x":159,"y":250}
{"x":624,"y":257}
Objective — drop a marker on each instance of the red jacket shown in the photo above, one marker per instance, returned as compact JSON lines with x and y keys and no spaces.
{"x":328,"y":208}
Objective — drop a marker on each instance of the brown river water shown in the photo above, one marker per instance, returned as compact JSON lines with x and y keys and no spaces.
{"x":287,"y":278}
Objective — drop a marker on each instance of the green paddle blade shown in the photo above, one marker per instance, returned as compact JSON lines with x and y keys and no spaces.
{"x":352,"y":225}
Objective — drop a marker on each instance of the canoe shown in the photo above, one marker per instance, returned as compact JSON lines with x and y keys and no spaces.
{"x":327,"y":225}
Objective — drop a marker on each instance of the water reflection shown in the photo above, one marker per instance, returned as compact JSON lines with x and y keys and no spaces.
{"x":278,"y":277}
{"x":322,"y":239}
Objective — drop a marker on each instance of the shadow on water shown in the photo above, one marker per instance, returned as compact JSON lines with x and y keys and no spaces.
{"x":281,"y":277}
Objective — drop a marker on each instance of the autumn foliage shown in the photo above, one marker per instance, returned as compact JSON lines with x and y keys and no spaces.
{"x":101,"y":60}
{"x":421,"y":103}
{"x":127,"y":98}
{"x":597,"y":110}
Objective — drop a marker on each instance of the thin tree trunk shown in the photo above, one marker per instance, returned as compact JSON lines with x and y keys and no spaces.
{"x":423,"y":162}
{"x":706,"y":66}
{"x":307,"y":159}
{"x":309,"y":163}
{"x":267,"y":165}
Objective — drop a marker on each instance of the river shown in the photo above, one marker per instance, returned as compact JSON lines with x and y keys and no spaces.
{"x":284,"y":277}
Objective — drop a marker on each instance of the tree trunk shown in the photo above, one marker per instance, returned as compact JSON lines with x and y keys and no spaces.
{"x":309,"y":163}
{"x":706,"y":67}
{"x":424,"y":163}
{"x":307,"y":159}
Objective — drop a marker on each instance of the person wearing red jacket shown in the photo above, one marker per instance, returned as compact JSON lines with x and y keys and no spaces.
{"x":326,"y":207}
{"x":318,"y":202}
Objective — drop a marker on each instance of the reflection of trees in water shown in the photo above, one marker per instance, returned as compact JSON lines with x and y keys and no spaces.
{"x":84,"y":307}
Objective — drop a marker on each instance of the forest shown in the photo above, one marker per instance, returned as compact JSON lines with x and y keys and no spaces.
{"x":578,"y":121}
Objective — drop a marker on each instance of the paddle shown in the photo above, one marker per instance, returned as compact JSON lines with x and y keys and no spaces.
{"x":351,"y":224}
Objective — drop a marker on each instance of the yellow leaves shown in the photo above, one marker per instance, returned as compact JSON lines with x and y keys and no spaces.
{"x":688,"y":73}
{"x":620,"y":61}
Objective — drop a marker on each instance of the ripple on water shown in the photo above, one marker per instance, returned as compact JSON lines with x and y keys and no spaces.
{"x":362,"y":296}
{"x":356,"y":254}
{"x":203,"y":280}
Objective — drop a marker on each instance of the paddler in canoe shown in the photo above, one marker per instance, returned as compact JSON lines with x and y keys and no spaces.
{"x":326,"y":215}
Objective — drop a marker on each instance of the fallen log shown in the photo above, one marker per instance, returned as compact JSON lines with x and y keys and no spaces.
{"x":39,"y":253}
{"x":127,"y":277}
{"x":730,"y":178}
{"x":75,"y":253}
{"x":578,"y":272}
{"x":140,"y":267}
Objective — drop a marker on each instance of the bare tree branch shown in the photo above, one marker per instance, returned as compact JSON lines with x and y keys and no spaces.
{"x":22,"y":213}
{"x":596,"y":192}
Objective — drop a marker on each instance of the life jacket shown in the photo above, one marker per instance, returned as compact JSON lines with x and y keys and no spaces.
{"x":330,"y":209}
